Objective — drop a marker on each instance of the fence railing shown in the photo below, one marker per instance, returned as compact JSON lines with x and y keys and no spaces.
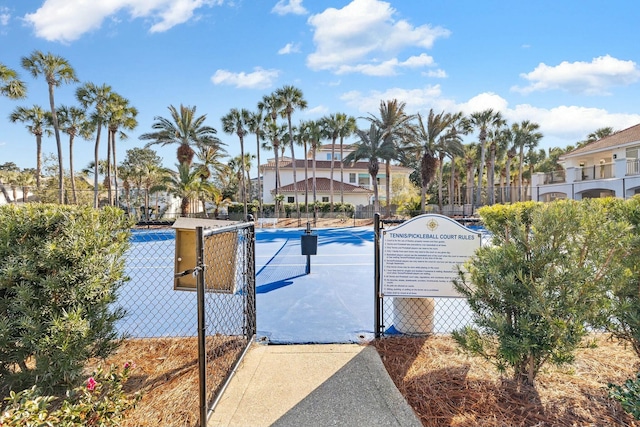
{"x":220,"y":309}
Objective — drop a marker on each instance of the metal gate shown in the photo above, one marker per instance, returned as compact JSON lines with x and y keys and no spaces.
{"x":226,"y":295}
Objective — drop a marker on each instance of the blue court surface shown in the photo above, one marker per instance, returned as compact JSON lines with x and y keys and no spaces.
{"x":334,"y":303}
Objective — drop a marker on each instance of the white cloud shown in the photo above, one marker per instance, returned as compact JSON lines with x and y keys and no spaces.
{"x":289,"y":48}
{"x":561,"y":125}
{"x":67,"y":20}
{"x":364,"y":37}
{"x":589,"y":78}
{"x":258,"y":79}
{"x":284,"y":7}
{"x":416,"y":99}
{"x":438,"y":74}
{"x":319,"y":110}
{"x":5,"y":16}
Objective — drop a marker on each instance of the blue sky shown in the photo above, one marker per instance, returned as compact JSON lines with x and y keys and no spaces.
{"x":571,"y":66}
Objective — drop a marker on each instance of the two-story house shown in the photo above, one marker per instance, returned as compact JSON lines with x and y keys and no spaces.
{"x":607,"y":167}
{"x":355,"y":186}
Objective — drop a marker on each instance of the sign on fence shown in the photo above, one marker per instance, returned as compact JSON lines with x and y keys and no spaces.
{"x":420,"y":257}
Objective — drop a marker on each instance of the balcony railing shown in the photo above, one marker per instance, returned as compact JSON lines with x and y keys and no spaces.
{"x":589,"y":173}
{"x":633,"y":167}
{"x":554,"y":177}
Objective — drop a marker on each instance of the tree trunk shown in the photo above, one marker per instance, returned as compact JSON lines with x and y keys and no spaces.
{"x":96,"y":159}
{"x":74,"y":197}
{"x":56,"y":131}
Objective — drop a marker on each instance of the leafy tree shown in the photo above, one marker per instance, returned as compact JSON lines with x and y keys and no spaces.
{"x":483,"y":121}
{"x":625,"y":295}
{"x":540,"y":283}
{"x":372,"y":147}
{"x":10,"y":84}
{"x":37,"y":123}
{"x":56,"y":71}
{"x":397,"y":130}
{"x":73,"y":122}
{"x":291,"y":98}
{"x":91,"y":95}
{"x":185,"y":185}
{"x":237,"y":121}
{"x":426,"y":144}
{"x":184,"y":129}
{"x":120,"y":117}
{"x":60,"y":269}
{"x":256,"y":127}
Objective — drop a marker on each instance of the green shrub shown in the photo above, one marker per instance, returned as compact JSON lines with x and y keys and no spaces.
{"x":628,"y":395}
{"x":60,"y":268}
{"x":101,"y":401}
{"x":542,"y":281}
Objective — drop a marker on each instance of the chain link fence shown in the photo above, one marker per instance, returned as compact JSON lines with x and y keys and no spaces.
{"x":162,"y":299}
{"x":414,"y":316}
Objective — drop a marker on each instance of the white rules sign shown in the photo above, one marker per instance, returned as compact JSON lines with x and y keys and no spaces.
{"x":420,"y":257}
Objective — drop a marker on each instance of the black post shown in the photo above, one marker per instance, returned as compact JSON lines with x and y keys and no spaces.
{"x":202,"y":354}
{"x":376,"y":274}
{"x":308,"y":231}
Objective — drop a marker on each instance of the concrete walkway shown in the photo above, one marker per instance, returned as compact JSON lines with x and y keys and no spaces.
{"x":312,"y":385}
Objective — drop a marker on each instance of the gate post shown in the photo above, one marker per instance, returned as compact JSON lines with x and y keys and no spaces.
{"x":376,"y":268}
{"x":202,"y":353}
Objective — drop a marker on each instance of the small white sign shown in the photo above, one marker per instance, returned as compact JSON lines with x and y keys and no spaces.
{"x":420,"y":257}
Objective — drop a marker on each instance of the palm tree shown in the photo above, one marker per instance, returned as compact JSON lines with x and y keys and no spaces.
{"x":270,"y":105}
{"x":37,"y":121}
{"x":10,"y":84}
{"x":496,"y":147}
{"x":314,"y":132}
{"x":470,"y":159}
{"x":73,"y":121}
{"x":425,"y":147}
{"x":525,"y":135}
{"x":56,"y":70}
{"x":597,"y":135}
{"x":483,"y":121}
{"x":120,"y":115}
{"x":397,"y":130}
{"x":26,"y":181}
{"x":346,"y":129}
{"x":255,"y":125}
{"x":274,"y":134}
{"x":185,"y":129}
{"x":331,"y":130}
{"x":185,"y":185}
{"x":448,"y":145}
{"x":373,"y":147}
{"x":92,"y":95}
{"x":237,"y":121}
{"x":291,"y":98}
{"x":210,"y":161}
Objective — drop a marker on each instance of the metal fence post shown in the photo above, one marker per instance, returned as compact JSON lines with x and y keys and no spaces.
{"x":202,"y":353}
{"x":376,"y":274}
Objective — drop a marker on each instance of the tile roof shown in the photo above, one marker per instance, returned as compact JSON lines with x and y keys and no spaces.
{"x":322,"y":186}
{"x":326,"y":164}
{"x":620,"y":138}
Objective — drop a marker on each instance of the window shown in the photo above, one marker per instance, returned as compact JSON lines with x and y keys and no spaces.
{"x":290,"y":199}
{"x":352,"y":178}
{"x":336,"y":156}
{"x":328,"y":156}
{"x":325,"y":199}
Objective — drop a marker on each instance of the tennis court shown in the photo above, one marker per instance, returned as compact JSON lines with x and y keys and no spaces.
{"x":334,"y":303}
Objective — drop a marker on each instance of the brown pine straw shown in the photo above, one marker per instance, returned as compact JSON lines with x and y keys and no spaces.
{"x":447,"y":388}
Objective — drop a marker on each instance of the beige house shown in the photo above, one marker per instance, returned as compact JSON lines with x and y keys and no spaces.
{"x":607,"y":167}
{"x":356,"y":183}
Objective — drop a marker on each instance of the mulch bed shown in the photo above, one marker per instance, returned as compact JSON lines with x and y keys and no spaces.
{"x":447,"y":388}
